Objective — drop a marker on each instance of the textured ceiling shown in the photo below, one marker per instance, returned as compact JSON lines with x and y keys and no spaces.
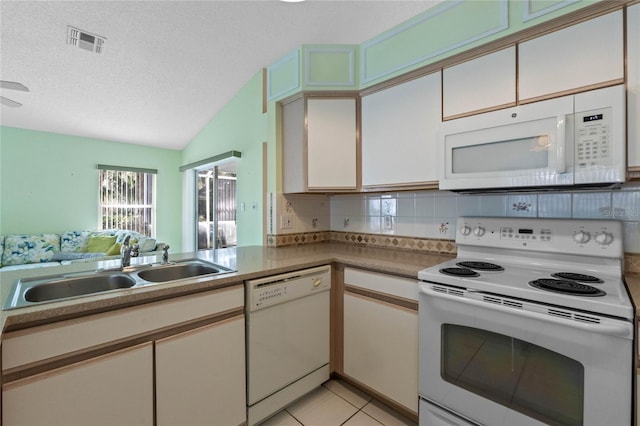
{"x":168,"y":66}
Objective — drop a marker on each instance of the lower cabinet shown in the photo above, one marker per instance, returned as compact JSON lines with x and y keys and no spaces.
{"x":113,"y":389}
{"x":200,"y":376}
{"x":380,"y":348}
{"x":179,"y":361}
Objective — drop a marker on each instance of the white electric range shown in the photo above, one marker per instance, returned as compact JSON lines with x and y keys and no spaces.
{"x":528,"y":305}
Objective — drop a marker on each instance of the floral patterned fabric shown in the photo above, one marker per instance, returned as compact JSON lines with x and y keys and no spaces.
{"x":40,"y":248}
{"x":74,"y":241}
{"x":21,"y":249}
{"x":145,"y":243}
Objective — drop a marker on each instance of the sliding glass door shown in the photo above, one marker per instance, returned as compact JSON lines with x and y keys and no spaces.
{"x":216,"y":207}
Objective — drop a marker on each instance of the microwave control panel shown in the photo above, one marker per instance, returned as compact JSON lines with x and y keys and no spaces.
{"x":593,"y":138}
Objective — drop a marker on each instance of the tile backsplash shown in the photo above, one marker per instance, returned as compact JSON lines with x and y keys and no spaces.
{"x":433,"y":214}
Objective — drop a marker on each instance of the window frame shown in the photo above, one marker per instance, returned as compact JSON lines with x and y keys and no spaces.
{"x":147,"y":226}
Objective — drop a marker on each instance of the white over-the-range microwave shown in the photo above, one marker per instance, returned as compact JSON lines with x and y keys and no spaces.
{"x":572,"y":140}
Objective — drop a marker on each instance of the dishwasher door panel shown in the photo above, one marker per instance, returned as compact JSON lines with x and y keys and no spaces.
{"x":288,"y":341}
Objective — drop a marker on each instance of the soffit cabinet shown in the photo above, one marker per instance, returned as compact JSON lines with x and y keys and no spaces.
{"x":580,"y":57}
{"x":479,"y":85}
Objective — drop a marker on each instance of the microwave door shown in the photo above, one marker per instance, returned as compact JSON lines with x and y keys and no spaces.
{"x":524,"y":154}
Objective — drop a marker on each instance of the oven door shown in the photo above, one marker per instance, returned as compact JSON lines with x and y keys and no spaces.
{"x":501,"y":361}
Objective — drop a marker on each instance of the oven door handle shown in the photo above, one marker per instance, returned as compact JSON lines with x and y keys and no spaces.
{"x":617,"y":328}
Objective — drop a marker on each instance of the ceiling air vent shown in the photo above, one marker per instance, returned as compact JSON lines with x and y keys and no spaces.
{"x":85,"y":40}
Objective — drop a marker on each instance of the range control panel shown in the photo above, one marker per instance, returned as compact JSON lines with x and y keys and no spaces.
{"x":585,"y":237}
{"x":269,"y":291}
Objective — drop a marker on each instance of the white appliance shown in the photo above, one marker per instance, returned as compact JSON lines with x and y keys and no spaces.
{"x":287,"y":326}
{"x":530,"y":324}
{"x":572,"y":140}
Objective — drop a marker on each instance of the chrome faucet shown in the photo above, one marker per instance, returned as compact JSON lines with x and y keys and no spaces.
{"x":165,"y":254}
{"x":128,"y":251}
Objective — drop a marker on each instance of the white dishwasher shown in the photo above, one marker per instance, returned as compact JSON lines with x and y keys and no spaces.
{"x":287,"y":339}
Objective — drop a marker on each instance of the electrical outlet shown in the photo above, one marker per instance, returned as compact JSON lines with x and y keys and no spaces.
{"x":285,"y":221}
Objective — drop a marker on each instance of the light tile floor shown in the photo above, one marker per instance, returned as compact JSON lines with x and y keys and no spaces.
{"x":337,"y":403}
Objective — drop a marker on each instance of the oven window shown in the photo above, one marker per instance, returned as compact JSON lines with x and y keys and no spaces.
{"x":515,"y":154}
{"x":525,"y":377}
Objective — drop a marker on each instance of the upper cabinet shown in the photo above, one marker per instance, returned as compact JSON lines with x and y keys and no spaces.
{"x":585,"y":55}
{"x":399,"y":134}
{"x":388,"y":138}
{"x":320,"y":144}
{"x":479,"y":85}
{"x":633,"y":87}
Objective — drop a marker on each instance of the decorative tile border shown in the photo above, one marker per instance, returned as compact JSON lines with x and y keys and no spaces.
{"x":373,"y":240}
{"x":631,"y":260}
{"x":297,"y":239}
{"x":397,"y":242}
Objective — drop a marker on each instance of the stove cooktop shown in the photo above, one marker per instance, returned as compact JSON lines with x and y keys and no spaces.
{"x":609,"y":296}
{"x":557,"y":262}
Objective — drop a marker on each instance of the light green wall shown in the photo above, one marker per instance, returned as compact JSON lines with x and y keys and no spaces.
{"x":240,"y":126}
{"x":49,"y":182}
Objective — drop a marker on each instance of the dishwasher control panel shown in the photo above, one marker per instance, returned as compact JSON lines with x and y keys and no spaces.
{"x":265,"y":292}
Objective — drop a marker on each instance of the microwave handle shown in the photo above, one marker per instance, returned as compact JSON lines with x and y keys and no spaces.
{"x":559,"y":164}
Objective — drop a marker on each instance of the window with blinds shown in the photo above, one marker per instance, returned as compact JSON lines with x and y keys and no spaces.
{"x":127,"y":199}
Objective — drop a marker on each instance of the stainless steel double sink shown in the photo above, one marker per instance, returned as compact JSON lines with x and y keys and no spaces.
{"x":30,"y":292}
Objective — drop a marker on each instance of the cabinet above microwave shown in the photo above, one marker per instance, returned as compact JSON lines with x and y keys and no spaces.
{"x":572,"y":140}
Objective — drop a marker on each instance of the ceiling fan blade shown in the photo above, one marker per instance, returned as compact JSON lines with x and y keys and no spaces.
{"x":13,"y":85}
{"x":8,"y":102}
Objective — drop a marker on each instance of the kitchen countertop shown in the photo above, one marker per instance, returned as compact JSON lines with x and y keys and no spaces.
{"x":633,"y":284}
{"x":250,"y":262}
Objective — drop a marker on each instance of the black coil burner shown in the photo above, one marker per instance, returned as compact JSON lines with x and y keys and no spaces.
{"x":459,"y":272}
{"x":480,"y":266}
{"x":566,"y":287}
{"x":577,"y":277}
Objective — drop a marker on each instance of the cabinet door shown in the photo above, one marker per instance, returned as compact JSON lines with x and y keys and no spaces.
{"x":481,"y":84}
{"x":200,"y":376}
{"x":331,"y":144}
{"x":381,"y":348}
{"x":293,"y":164}
{"x":633,"y":86}
{"x":399,"y":134}
{"x":585,"y":54}
{"x":114,"y":389}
